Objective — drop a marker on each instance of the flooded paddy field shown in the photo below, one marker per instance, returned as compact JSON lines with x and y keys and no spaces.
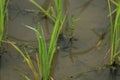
{"x":85,"y":57}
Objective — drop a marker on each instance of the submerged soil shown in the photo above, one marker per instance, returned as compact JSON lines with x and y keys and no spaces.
{"x":82,"y":60}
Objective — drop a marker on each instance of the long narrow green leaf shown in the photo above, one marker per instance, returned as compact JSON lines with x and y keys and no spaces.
{"x":43,"y":52}
{"x":2,"y":4}
{"x":3,"y":17}
{"x":53,"y":37}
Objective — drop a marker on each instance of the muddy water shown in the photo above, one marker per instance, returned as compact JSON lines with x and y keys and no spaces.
{"x":79,"y":61}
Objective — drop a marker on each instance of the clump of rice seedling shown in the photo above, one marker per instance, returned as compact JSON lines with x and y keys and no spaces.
{"x":45,"y":55}
{"x":115,"y":31}
{"x":115,"y":38}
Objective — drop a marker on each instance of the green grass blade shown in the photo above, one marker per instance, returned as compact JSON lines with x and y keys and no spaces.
{"x":40,"y":44}
{"x":43,"y":56}
{"x":43,"y":52}
{"x":53,"y":38}
{"x":112,"y":36}
{"x":58,"y":4}
{"x":3,"y":17}
{"x":2,"y":4}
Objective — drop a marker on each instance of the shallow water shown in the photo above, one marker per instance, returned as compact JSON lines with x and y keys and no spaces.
{"x":77,"y":62}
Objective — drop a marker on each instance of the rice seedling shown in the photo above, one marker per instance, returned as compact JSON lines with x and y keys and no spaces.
{"x":3,"y":13}
{"x":115,"y":31}
{"x":45,"y":55}
{"x":114,"y":37}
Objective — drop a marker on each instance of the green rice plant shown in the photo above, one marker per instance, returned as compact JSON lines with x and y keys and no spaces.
{"x":3,"y":13}
{"x":115,"y":30}
{"x":45,"y":55}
